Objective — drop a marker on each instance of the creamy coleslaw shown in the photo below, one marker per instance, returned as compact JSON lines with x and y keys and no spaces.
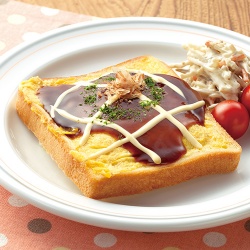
{"x":217,"y":70}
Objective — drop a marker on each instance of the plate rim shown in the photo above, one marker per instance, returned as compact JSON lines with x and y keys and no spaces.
{"x":176,"y":224}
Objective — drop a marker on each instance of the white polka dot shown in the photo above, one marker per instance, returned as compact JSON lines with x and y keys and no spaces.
{"x":3,"y":240}
{"x":49,"y":12}
{"x":105,"y":240}
{"x":15,"y":201}
{"x":2,"y":45}
{"x":16,"y":19}
{"x":27,"y":36}
{"x":214,"y":239}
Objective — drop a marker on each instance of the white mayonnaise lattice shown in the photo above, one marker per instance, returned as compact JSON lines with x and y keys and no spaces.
{"x":128,"y":86}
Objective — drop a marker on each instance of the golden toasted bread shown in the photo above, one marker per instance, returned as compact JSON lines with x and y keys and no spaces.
{"x":118,"y":172}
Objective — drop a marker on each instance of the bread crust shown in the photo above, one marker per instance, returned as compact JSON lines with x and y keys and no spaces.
{"x":222,"y":158}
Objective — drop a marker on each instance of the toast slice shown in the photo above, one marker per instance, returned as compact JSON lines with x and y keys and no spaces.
{"x":117,"y":172}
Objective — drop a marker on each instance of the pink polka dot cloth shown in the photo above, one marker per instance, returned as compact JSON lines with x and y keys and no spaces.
{"x":23,"y":226}
{"x":28,"y":21}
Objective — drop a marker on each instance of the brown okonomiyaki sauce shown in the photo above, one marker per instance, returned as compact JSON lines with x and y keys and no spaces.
{"x":164,"y":139}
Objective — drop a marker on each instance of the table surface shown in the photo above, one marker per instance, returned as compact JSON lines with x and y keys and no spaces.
{"x":23,"y":226}
{"x":229,"y":14}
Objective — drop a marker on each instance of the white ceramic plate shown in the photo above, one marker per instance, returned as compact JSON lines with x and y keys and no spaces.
{"x":28,"y":171}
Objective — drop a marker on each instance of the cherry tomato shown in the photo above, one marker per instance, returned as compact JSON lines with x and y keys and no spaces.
{"x":245,"y":98}
{"x":232,"y":116}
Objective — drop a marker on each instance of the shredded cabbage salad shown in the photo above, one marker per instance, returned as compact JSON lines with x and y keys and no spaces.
{"x":217,"y":70}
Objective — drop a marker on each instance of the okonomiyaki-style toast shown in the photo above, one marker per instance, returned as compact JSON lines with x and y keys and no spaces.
{"x":126,"y":129}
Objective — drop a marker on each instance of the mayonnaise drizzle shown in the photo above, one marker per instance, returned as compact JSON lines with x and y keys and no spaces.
{"x":159,"y":79}
{"x":75,"y":87}
{"x":178,"y":124}
{"x":163,"y":114}
{"x":106,"y":123}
